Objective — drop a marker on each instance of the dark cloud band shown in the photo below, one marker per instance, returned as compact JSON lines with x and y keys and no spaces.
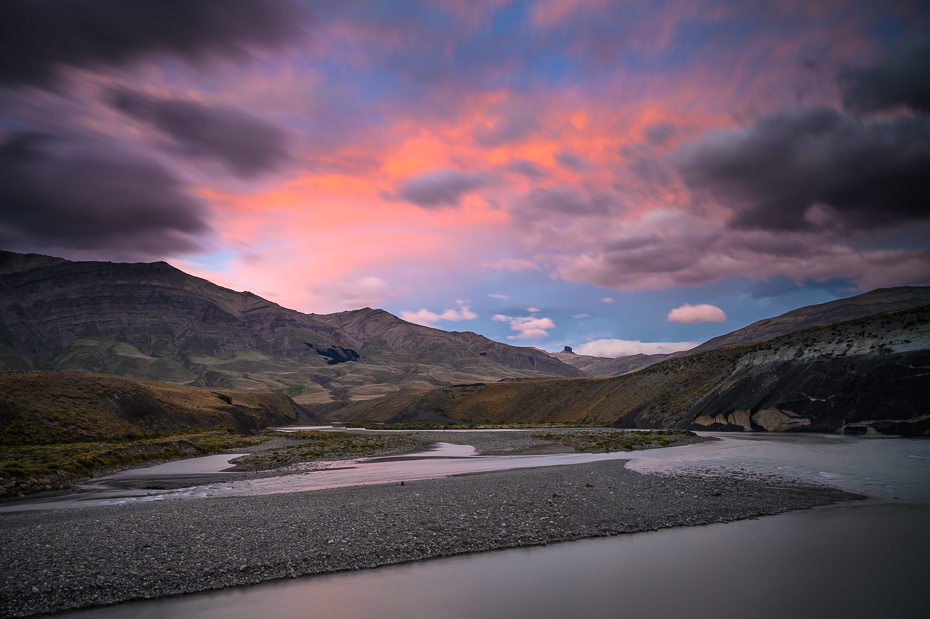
{"x":39,"y":36}
{"x":246,"y":145}
{"x":441,"y":188}
{"x":76,"y":193}
{"x":811,"y":168}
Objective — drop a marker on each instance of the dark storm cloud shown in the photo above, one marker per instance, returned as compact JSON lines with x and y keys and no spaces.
{"x":245,"y":144}
{"x":441,"y":188}
{"x":76,"y":193}
{"x":900,"y":79}
{"x":38,"y":36}
{"x":816,"y":168}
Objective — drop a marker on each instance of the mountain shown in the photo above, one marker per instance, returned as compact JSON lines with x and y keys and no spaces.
{"x":867,"y":304}
{"x":155,"y":322}
{"x":868,"y":374}
{"x":607,"y":366}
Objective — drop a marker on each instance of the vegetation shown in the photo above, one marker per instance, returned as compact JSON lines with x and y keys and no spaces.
{"x":45,"y":407}
{"x":425,"y":425}
{"x":315,"y":445}
{"x":615,"y":440}
{"x":32,"y":468}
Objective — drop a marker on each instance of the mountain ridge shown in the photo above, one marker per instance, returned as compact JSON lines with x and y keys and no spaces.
{"x":155,"y":322}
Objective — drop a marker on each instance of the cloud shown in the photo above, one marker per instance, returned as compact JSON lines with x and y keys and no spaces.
{"x":441,"y":188}
{"x":622,"y":348}
{"x":462,"y":311}
{"x":816,"y":168}
{"x":37,"y":38}
{"x":511,"y":128}
{"x":513,"y":264}
{"x":690,"y":314}
{"x":666,"y":248}
{"x":86,"y":194}
{"x":421,"y":317}
{"x":246,"y":145}
{"x":579,"y":316}
{"x":364,"y":292}
{"x":900,"y":79}
{"x":563,"y":200}
{"x":533,"y":310}
{"x":529,"y":327}
{"x":661,"y":134}
{"x":527,"y":168}
{"x":607,"y":300}
{"x":572,"y":161}
{"x":496,"y":295}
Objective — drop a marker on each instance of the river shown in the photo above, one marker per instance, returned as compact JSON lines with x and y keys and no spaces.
{"x":859,"y":559}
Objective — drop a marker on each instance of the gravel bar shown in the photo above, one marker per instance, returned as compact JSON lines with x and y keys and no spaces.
{"x":58,"y":560}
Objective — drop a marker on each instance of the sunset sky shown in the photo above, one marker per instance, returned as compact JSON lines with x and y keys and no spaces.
{"x":615,"y":176}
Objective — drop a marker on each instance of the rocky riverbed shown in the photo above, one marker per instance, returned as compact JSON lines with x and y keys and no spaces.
{"x":53,"y":561}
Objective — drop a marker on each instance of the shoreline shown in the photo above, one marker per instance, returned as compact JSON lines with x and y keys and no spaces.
{"x":94,"y":556}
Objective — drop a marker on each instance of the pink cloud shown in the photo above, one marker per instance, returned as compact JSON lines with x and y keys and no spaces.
{"x":462,"y":311}
{"x":529,"y":327}
{"x":622,"y":348}
{"x":690,"y":314}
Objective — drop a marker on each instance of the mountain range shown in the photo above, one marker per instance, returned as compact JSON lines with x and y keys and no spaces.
{"x":152,"y":321}
{"x":155,"y":322}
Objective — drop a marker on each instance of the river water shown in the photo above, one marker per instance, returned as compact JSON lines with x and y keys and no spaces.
{"x":861,"y":559}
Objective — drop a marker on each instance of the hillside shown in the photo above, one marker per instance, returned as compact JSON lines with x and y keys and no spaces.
{"x":59,"y":407}
{"x":869,"y":373}
{"x":155,"y":322}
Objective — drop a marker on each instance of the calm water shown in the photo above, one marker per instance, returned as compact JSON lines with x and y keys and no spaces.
{"x":863,"y":559}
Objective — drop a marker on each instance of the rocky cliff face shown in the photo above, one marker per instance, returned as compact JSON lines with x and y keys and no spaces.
{"x":852,"y":377}
{"x":155,"y":322}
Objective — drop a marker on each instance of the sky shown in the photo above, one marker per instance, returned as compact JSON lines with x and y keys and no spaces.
{"x":619,"y":177}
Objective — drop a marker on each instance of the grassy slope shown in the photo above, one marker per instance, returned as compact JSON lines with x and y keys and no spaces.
{"x":58,"y":407}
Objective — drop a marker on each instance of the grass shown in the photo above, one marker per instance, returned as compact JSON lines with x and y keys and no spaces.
{"x":423,"y":425}
{"x":313,"y":446}
{"x":617,"y":440}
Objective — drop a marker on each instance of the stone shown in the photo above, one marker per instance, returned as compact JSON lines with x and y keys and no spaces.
{"x":774,"y":420}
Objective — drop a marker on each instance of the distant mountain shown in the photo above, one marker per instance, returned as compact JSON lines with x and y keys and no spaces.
{"x":607,"y":366}
{"x":858,"y":376}
{"x":153,"y":321}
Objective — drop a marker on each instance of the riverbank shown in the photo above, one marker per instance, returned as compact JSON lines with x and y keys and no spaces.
{"x":75,"y":558}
